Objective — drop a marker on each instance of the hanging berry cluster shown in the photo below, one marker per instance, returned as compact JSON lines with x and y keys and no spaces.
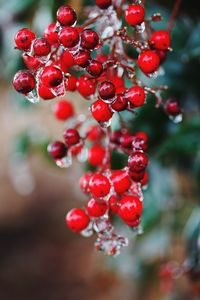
{"x":52,"y":62}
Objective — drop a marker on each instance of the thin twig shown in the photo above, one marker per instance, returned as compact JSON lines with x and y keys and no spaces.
{"x":174,"y":15}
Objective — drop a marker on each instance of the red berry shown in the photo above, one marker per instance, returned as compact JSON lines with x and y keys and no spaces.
{"x":89,"y":39}
{"x":95,"y":68}
{"x":77,"y":219}
{"x":136,"y":176}
{"x":66,"y":61}
{"x":137,"y":161}
{"x":116,"y":80}
{"x":31,"y":62}
{"x":99,"y":186}
{"x":107,"y":90}
{"x":41,"y":47}
{"x":96,"y":155}
{"x":51,"y":76}
{"x":136,"y":96}
{"x":172,"y":107}
{"x":66,"y":15}
{"x":94,"y":133}
{"x":96,"y":208}
{"x":69,"y":37}
{"x":130,"y":208}
{"x":82,"y":58}
{"x":71,"y":83}
{"x":57,"y":149}
{"x":50,"y":35}
{"x":24,"y":38}
{"x":71,"y":136}
{"x":134,"y":14}
{"x":134,"y":223}
{"x":120,"y":103}
{"x":101,"y":111}
{"x":115,"y":137}
{"x":160,"y":40}
{"x":126,"y":140}
{"x":103,"y":4}
{"x":45,"y":93}
{"x":121,"y":181}
{"x":145,"y":179}
{"x":113,"y":204}
{"x":84,"y":182}
{"x":24,"y":82}
{"x":142,"y":135}
{"x":148,"y":61}
{"x":63,"y":110}
{"x":86,"y":86}
{"x":162,"y":55}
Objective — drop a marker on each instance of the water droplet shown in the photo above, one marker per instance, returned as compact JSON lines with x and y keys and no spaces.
{"x":138,"y":230}
{"x":108,"y":32}
{"x":111,"y":244}
{"x":82,"y":156}
{"x":140,"y":28}
{"x":103,"y":225}
{"x":153,"y":75}
{"x":33,"y":96}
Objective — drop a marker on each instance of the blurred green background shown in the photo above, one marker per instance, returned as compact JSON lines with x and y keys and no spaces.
{"x":40,"y":259}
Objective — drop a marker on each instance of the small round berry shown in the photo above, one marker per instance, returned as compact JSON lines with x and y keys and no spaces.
{"x":96,"y":155}
{"x":116,"y":80}
{"x":126,"y":140}
{"x":71,"y":136}
{"x":86,"y":86}
{"x":84,"y":182}
{"x":24,"y":38}
{"x":134,"y":14}
{"x":136,"y":96}
{"x":101,"y":111}
{"x":103,"y":4}
{"x":137,"y":162}
{"x":66,"y":61}
{"x":69,"y":37}
{"x":148,"y":61}
{"x":51,"y":76}
{"x":107,"y":90}
{"x":71,"y":83}
{"x":94,"y":133}
{"x":96,"y":208}
{"x":121,"y":181}
{"x":142,"y":135}
{"x":95,"y":68}
{"x":41,"y":47}
{"x":172,"y":107}
{"x":99,"y":185}
{"x":45,"y":93}
{"x":57,"y":150}
{"x":120,"y":103}
{"x":115,"y":137}
{"x":134,"y":223}
{"x":136,"y":176}
{"x":82,"y":58}
{"x":162,"y":55}
{"x":66,"y":15}
{"x":113,"y":204}
{"x":24,"y":82}
{"x":77,"y":219}
{"x":63,"y":110}
{"x":160,"y":40}
{"x":89,"y":39}
{"x":50,"y":35}
{"x":31,"y":62}
{"x":130,"y":208}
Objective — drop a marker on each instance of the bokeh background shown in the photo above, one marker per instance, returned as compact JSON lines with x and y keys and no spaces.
{"x":41,"y":259}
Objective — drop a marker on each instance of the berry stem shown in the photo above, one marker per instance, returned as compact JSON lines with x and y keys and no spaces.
{"x":174,"y":14}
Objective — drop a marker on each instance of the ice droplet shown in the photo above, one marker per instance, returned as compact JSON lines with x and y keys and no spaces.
{"x":111,"y":245}
{"x":153,"y":75}
{"x":140,"y":28}
{"x":88,"y":231}
{"x":64,"y":162}
{"x":33,"y":96}
{"x":59,"y":90}
{"x":108,"y":32}
{"x":82,"y":156}
{"x":103,"y":225}
{"x":137,"y":230}
{"x":176,"y":119}
{"x":105,"y":124}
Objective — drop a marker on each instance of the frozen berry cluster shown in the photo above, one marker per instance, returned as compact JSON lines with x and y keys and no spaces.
{"x":110,"y":79}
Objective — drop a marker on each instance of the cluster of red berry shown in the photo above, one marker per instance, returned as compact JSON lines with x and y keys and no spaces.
{"x":52,"y":61}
